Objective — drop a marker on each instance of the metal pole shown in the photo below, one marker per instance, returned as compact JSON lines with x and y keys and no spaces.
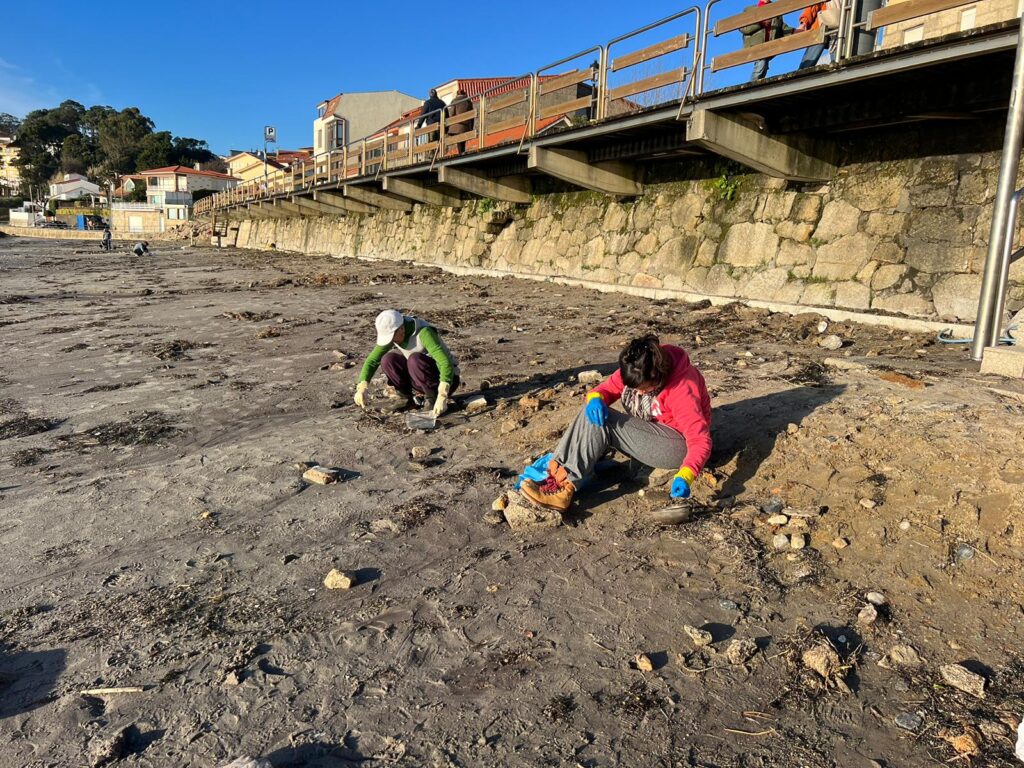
{"x":989,"y":301}
{"x":1004,"y":268}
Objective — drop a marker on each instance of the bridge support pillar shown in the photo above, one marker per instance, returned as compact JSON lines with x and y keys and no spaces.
{"x":796,"y":158}
{"x":337,"y":200}
{"x":378,"y":199}
{"x":509,"y":189}
{"x":612,"y":178}
{"x":414,"y":189}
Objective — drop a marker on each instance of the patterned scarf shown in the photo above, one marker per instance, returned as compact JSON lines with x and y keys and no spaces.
{"x":642,"y":405}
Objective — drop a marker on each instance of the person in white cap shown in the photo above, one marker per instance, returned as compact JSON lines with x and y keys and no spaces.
{"x":416,"y":362}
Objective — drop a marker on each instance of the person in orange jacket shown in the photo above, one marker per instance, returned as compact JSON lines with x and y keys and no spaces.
{"x":811,"y":19}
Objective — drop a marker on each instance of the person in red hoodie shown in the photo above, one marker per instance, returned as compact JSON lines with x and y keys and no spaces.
{"x":666,"y":423}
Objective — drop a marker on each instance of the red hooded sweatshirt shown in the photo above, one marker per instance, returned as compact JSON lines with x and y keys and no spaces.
{"x":684,"y":403}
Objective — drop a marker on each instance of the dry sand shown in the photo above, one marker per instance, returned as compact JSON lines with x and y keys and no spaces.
{"x":157,"y":534}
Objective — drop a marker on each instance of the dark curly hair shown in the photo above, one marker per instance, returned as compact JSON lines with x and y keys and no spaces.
{"x":644,"y":362}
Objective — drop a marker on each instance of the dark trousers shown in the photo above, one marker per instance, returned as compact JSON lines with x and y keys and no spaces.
{"x":417,"y":374}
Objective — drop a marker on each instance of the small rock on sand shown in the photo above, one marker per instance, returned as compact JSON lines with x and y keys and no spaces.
{"x":110,"y":750}
{"x":523,"y":516}
{"x":499,"y":504}
{"x":797,"y":541}
{"x":773,"y":506}
{"x":780,"y":541}
{"x":248,"y":762}
{"x":823,"y":659}
{"x":320,"y":475}
{"x":908,"y":721}
{"x":699,"y":637}
{"x":740,"y":651}
{"x":876,"y":598}
{"x":792,"y":429}
{"x":643,"y":662}
{"x":778,"y":519}
{"x":840,"y":542}
{"x":590,"y":377}
{"x":963,"y":679}
{"x":339,"y":579}
{"x":476,"y":405}
{"x":831,"y":342}
{"x":868,"y":503}
{"x":904,"y":655}
{"x":868,"y":616}
{"x":494,"y":517}
{"x":420,"y":451}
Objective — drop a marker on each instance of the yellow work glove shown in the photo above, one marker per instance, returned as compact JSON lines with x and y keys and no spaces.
{"x":441,"y":403}
{"x":360,"y":397}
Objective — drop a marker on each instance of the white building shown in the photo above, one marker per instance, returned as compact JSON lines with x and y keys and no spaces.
{"x":73,"y":186}
{"x":173,"y":189}
{"x":349,"y":117}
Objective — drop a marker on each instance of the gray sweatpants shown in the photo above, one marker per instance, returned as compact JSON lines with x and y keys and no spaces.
{"x":650,"y":443}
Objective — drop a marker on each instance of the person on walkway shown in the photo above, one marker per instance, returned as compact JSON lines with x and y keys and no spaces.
{"x":431,"y":114}
{"x":666,"y":423}
{"x":141,"y":248}
{"x":108,"y":239}
{"x":416,"y":362}
{"x":812,"y":18}
{"x":460,"y":105}
{"x":763,"y":32}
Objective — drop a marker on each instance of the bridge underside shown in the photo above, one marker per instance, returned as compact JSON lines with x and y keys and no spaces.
{"x":792,"y":126}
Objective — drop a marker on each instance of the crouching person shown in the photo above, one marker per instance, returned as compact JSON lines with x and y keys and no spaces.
{"x":416,"y":362}
{"x":666,"y":424}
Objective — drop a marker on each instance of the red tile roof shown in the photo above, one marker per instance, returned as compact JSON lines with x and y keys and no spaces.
{"x":185,"y":170}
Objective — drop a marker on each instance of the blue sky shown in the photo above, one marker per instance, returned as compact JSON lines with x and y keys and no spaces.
{"x":221,"y":70}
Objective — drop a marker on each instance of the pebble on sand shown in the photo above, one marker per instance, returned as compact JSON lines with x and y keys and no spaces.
{"x":500,"y":503}
{"x":320,"y":475}
{"x":523,"y":516}
{"x":877,"y":599}
{"x":590,"y":377}
{"x":420,"y":451}
{"x":643,"y":662}
{"x":963,"y":679}
{"x":797,"y":541}
{"x":110,"y":750}
{"x":840,"y":542}
{"x":908,"y":721}
{"x":476,"y":404}
{"x":699,"y":637}
{"x":339,"y":579}
{"x":780,"y":541}
{"x":778,"y":519}
{"x":868,"y":616}
{"x":831,"y":342}
{"x":740,"y":651}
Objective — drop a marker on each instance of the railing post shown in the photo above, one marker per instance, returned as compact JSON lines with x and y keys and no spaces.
{"x":986,"y":325}
{"x":442,"y":136}
{"x":602,"y":84}
{"x":481,"y":141}
{"x":531,"y":121}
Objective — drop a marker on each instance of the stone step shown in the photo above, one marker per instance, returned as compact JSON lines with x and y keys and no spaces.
{"x":1004,"y":361}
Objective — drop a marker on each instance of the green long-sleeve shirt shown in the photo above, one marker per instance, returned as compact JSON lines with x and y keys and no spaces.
{"x":431,"y":343}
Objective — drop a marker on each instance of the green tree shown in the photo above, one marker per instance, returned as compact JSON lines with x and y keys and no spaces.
{"x":8,"y":124}
{"x":156,"y":151}
{"x":190,"y":151}
{"x":41,"y":140}
{"x":138,"y":193}
{"x":77,"y":154}
{"x":120,"y":137}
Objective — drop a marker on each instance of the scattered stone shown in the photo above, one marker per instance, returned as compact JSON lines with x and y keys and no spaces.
{"x":523,"y":516}
{"x":778,"y":519}
{"x":387,"y":525}
{"x":993,"y":729}
{"x":823,"y":659}
{"x":546,"y":395}
{"x":840,"y":542}
{"x":966,"y":744}
{"x":590,"y":377}
{"x":341,"y":366}
{"x":868,"y":616}
{"x":699,"y":637}
{"x":339,"y":579}
{"x":248,"y":762}
{"x":530,"y":402}
{"x":107,"y":751}
{"x":963,"y":679}
{"x":868,"y":503}
{"x":909,"y":721}
{"x":728,"y":605}
{"x":773,"y":506}
{"x":904,"y":525}
{"x":740,"y":651}
{"x":831,"y":343}
{"x":320,"y":475}
{"x":511,"y":425}
{"x":843,"y":365}
{"x":792,"y":429}
{"x":420,"y":451}
{"x":877,"y":599}
{"x":643,"y":662}
{"x":904,"y":655}
{"x":476,"y":405}
{"x":232,"y":678}
{"x":823,"y":326}
{"x":500,"y":503}
{"x":963,"y":553}
{"x":780,"y":541}
{"x":494,"y":517}
{"x":798,"y":541}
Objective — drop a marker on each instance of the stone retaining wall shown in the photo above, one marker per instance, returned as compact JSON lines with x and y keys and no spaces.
{"x":903,"y":228}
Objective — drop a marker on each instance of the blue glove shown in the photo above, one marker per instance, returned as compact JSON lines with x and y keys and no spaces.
{"x":596,"y":410}
{"x":538,"y":471}
{"x":681,"y":483}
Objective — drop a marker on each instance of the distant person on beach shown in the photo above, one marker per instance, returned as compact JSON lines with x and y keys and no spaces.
{"x":665,"y":422}
{"x":141,"y":248}
{"x":416,"y":362}
{"x":460,"y":105}
{"x":431,"y":113}
{"x":108,"y":239}
{"x":763,"y":32}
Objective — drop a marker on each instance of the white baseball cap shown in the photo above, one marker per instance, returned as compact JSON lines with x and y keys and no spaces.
{"x":388,"y":321}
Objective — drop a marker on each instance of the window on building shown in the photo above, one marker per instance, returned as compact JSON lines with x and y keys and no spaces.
{"x":968,"y":18}
{"x":321,"y":110}
{"x":913,"y":34}
{"x":339,"y":134}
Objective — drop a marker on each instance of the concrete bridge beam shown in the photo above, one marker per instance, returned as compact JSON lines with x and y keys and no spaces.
{"x":509,"y":189}
{"x":291,"y":209}
{"x":265,"y":211}
{"x":376,"y":199}
{"x":317,"y":208}
{"x":337,"y":200}
{"x":612,"y":178}
{"x":416,"y":190}
{"x":792,"y":157}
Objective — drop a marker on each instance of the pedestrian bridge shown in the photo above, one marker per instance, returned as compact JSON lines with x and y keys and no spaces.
{"x":597,"y":118}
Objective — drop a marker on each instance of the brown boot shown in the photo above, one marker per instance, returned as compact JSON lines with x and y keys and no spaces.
{"x":551,"y":494}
